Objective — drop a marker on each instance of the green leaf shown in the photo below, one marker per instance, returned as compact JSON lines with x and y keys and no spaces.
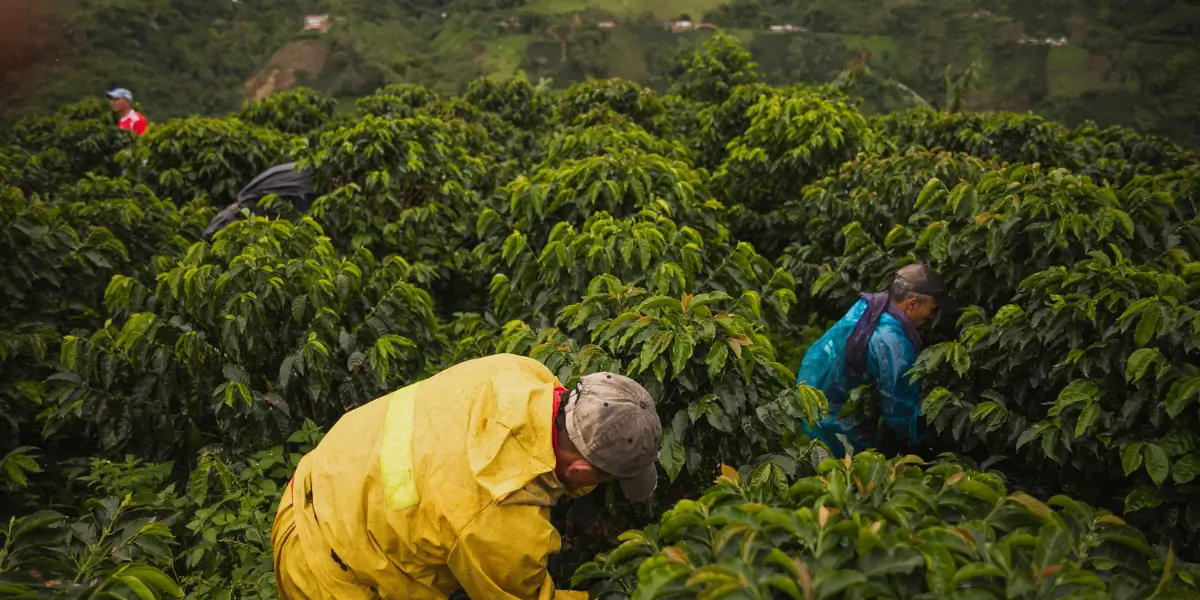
{"x":656,"y":302}
{"x":156,"y":579}
{"x":1079,"y":390}
{"x":1186,"y":468}
{"x":1146,"y":327}
{"x":654,"y":347}
{"x":1033,"y":505}
{"x":682,"y":351}
{"x":1178,"y":442}
{"x":138,"y":587}
{"x":719,"y":419}
{"x":513,"y":246}
{"x":1131,"y":457}
{"x":933,"y":189}
{"x":706,"y":299}
{"x":1181,"y":392}
{"x":1052,"y":546}
{"x":1141,"y":498}
{"x":830,"y":583}
{"x":940,"y":568}
{"x":879,"y":564}
{"x":1157,"y":463}
{"x":299,"y":304}
{"x":1087,"y":416}
{"x":671,"y":454}
{"x":976,"y":570}
{"x":1139,"y":362}
{"x":716,"y":359}
{"x":978,"y":489}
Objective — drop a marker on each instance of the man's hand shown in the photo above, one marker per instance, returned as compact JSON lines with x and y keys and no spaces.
{"x":585,"y":521}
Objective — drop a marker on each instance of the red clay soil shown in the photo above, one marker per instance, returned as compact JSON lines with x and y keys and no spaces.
{"x":280,"y":72}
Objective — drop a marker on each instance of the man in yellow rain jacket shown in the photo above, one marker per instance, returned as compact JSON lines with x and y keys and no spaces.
{"x":448,"y":483}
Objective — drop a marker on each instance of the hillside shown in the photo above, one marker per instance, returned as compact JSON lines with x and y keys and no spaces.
{"x":1125,"y":63}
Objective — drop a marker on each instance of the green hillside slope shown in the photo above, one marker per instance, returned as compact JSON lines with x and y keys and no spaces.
{"x":1121,"y":62}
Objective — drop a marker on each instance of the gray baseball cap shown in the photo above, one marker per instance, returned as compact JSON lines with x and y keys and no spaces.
{"x":120,"y":93}
{"x":615,"y":426}
{"x":921,"y":279}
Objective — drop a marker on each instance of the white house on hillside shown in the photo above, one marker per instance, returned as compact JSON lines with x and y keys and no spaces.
{"x":316,"y":23}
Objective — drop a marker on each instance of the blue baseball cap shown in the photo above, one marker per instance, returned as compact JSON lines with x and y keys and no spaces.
{"x":120,"y":93}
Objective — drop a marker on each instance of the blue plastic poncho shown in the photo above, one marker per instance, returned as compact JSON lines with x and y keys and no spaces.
{"x":889,"y":357}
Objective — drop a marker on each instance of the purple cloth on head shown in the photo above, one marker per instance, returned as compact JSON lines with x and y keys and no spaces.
{"x":856,"y":345}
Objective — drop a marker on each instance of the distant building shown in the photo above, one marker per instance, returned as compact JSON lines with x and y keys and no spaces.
{"x":606,"y":25}
{"x":1062,"y":41}
{"x":786,"y":28}
{"x":681,"y":25}
{"x":316,"y":23}
{"x":983,"y":14}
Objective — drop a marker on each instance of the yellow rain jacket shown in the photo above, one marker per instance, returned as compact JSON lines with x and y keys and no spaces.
{"x":445,"y":483}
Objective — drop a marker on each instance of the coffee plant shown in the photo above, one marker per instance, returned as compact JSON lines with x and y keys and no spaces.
{"x":295,"y":111}
{"x":158,"y":390}
{"x":870,"y":527}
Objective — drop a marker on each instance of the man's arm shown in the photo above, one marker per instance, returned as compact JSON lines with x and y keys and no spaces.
{"x":889,"y":357}
{"x":502,"y":554}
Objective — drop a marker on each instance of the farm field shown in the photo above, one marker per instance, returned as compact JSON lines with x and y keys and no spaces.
{"x":158,"y":390}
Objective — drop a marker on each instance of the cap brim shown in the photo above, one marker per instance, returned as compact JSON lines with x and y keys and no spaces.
{"x":640,"y":487}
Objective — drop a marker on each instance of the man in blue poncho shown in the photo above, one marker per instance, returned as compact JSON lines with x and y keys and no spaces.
{"x":877,"y":341}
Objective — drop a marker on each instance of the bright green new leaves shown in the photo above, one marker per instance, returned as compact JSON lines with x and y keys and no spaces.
{"x":712,"y":73}
{"x":647,"y":250}
{"x":868,"y":527}
{"x":154,"y":231}
{"x":105,"y":550}
{"x":58,"y":149}
{"x":722,"y":123}
{"x":400,"y":100}
{"x":62,"y":254}
{"x":710,"y":370}
{"x":623,"y":98}
{"x":988,"y":234}
{"x":791,"y":140}
{"x":406,"y":186}
{"x":599,"y":140}
{"x":862,"y":209}
{"x":408,"y":159}
{"x":514,"y":100}
{"x":1123,"y":392}
{"x":17,"y":465}
{"x":296,"y":111}
{"x":268,"y":326}
{"x":621,"y":183}
{"x":1114,"y":154}
{"x":189,"y":158}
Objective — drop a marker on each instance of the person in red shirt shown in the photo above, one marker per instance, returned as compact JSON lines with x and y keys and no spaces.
{"x":121,"y":101}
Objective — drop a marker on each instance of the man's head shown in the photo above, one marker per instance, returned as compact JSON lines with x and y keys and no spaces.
{"x":609,"y":430}
{"x":120,"y":99}
{"x":920,"y":292}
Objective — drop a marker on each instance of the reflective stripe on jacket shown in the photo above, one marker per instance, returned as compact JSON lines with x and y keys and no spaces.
{"x":445,"y":483}
{"x":889,"y":357}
